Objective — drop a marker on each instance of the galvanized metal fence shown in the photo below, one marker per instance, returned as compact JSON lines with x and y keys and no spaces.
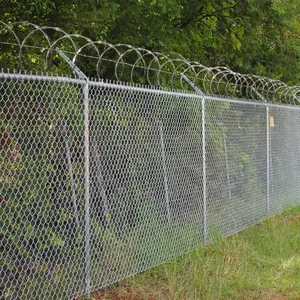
{"x":101,"y":180}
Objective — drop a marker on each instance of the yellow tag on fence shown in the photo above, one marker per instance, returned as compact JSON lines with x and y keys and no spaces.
{"x":272,"y":121}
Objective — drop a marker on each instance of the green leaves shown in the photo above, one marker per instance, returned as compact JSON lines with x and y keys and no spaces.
{"x":240,"y":34}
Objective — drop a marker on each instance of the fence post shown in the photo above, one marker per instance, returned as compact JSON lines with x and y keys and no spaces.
{"x":87,"y":215}
{"x":87,"y":221}
{"x":199,"y":92}
{"x":227,"y":167}
{"x":268,"y":158}
{"x":204,"y":170}
{"x":260,"y":96}
{"x":162,"y":145}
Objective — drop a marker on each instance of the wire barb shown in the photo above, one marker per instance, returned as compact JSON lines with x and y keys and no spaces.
{"x":124,"y":62}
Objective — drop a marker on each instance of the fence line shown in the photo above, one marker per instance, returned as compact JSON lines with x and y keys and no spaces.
{"x":100,"y":181}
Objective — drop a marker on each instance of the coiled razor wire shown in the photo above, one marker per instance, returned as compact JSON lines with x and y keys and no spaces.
{"x":29,"y":46}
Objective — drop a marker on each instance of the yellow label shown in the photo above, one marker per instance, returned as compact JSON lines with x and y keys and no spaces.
{"x":272,"y":121}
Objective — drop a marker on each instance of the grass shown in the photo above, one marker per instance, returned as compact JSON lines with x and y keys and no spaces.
{"x":262,"y":262}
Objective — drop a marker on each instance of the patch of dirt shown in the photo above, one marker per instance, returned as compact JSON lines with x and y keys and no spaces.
{"x":273,"y":295}
{"x":286,"y":219}
{"x":264,"y":295}
{"x":128,"y":293}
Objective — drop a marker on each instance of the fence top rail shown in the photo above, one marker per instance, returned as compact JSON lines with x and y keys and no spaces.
{"x":94,"y":82}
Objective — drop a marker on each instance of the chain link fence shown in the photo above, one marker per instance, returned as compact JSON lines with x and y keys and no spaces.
{"x":100,"y":180}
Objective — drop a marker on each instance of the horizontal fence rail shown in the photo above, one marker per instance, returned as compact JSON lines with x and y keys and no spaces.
{"x":100,"y":180}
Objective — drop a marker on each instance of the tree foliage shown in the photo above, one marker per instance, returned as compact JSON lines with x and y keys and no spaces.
{"x":246,"y":35}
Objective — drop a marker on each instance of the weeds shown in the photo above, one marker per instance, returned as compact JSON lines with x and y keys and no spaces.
{"x":262,"y":262}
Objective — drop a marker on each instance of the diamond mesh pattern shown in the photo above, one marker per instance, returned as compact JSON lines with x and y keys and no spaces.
{"x":145,"y":179}
{"x":41,"y":163}
{"x":236,"y":165}
{"x":284,"y":158}
{"x":149,"y":198}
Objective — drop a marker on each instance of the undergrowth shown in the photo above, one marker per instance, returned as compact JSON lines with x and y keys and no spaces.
{"x":262,"y":262}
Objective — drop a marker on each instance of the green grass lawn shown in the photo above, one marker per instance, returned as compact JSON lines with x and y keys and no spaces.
{"x":262,"y":262}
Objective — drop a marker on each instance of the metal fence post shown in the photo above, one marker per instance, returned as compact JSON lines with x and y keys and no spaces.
{"x":162,"y":145}
{"x":204,"y":204}
{"x":268,"y":159}
{"x":87,"y":216}
{"x":261,"y":97}
{"x":87,"y":220}
{"x":227,"y":167}
{"x":204,"y":171}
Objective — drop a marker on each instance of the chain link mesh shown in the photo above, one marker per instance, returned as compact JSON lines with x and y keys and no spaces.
{"x":236,"y":138}
{"x":41,"y":163}
{"x":284,"y":157}
{"x":155,"y":191}
{"x":145,"y":179}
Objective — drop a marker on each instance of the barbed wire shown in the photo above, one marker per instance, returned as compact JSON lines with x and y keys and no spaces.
{"x":27,"y":45}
